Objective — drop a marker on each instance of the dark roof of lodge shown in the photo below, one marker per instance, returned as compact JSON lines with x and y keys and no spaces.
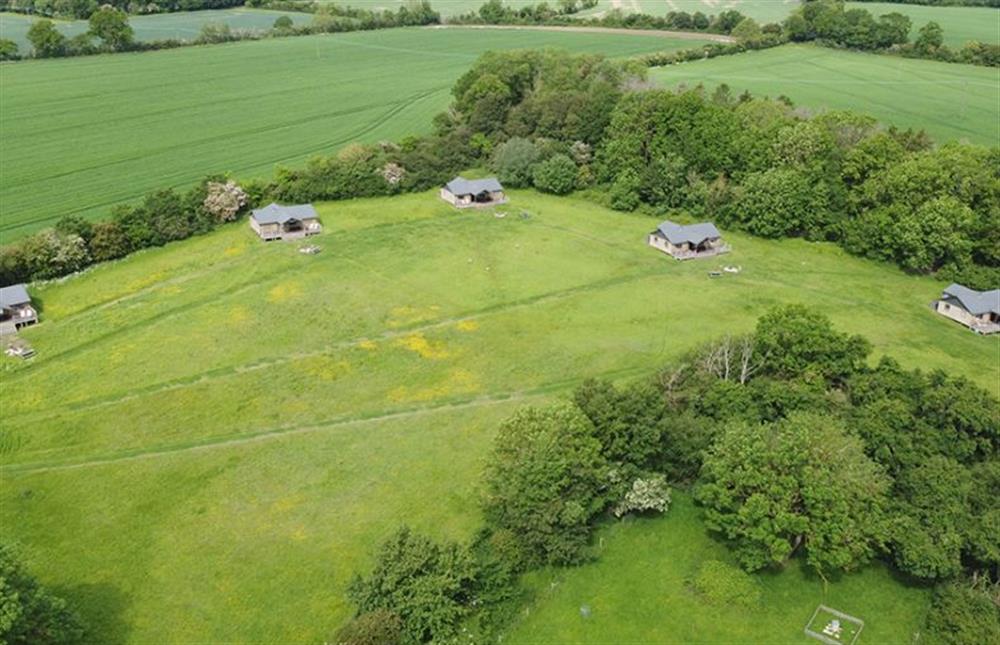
{"x":975,"y":302}
{"x":277,"y":214}
{"x":14,"y":295}
{"x":463,"y":186}
{"x":694,"y":233}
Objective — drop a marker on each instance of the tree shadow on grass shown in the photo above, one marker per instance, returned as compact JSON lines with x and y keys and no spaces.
{"x":101,"y":608}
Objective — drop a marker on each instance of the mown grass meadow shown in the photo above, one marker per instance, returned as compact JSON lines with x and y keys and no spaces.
{"x":107,"y":129}
{"x":948,"y":100}
{"x":223,"y":425}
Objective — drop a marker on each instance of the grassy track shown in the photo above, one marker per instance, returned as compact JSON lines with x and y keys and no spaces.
{"x":221,"y":402}
{"x":639,"y":592}
{"x":83,"y":134}
{"x":181,"y":25}
{"x":949,"y":101}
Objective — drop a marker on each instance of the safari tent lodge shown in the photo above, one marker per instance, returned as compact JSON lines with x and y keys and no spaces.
{"x":15,"y":309}
{"x":463,"y":193}
{"x":977,"y":310}
{"x":688,"y":242}
{"x":276,"y":222}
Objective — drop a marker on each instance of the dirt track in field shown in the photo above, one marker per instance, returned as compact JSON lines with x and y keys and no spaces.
{"x":657,"y":33}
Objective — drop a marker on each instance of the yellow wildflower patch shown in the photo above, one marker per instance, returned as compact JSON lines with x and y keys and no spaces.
{"x":468,"y":325}
{"x":420,"y":345}
{"x":458,"y":382}
{"x":284,"y":292}
{"x":324,"y":368}
{"x":402,"y":316}
{"x":370,"y":345}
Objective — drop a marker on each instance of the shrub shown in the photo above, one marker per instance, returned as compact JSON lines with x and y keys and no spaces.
{"x":650,"y":494}
{"x":723,"y":584}
{"x":224,"y":200}
{"x":283,"y":23}
{"x":514,"y":161}
{"x":556,"y":175}
{"x":379,"y":627}
{"x":962,"y":614}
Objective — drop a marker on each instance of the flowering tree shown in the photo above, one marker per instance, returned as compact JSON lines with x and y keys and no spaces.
{"x":224,"y":201}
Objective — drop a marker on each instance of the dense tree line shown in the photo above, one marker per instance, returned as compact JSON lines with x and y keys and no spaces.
{"x":794,"y":446}
{"x":831,"y":23}
{"x":495,"y":12}
{"x":762,"y":166}
{"x":82,"y":9}
{"x":110,"y":31}
{"x":827,"y":22}
{"x":943,"y":3}
{"x":560,"y":122}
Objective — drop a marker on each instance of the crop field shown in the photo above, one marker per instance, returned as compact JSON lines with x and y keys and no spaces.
{"x":948,"y":100}
{"x":182,"y":25}
{"x":639,"y":591}
{"x":222,"y":401}
{"x":83,"y":134}
{"x":960,"y":24}
{"x":762,"y":11}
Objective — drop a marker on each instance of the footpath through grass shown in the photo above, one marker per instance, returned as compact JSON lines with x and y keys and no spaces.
{"x":948,"y":100}
{"x":226,"y":428}
{"x":82,"y":134}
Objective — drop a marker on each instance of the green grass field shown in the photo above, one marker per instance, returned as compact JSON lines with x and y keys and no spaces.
{"x":181,"y":25}
{"x":83,"y":134}
{"x":639,"y":591}
{"x":960,"y":24}
{"x":223,"y":425}
{"x":950,"y":101}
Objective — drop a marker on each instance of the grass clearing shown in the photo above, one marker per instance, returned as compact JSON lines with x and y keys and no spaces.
{"x":639,"y":591}
{"x":948,"y":100}
{"x":222,"y":401}
{"x":83,"y":134}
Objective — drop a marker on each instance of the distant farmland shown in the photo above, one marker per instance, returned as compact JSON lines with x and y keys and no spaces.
{"x":960,"y":24}
{"x":950,"y":101}
{"x":83,"y":134}
{"x":183,"y":25}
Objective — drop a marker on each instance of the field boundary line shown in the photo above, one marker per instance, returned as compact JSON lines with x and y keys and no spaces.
{"x":656,"y":33}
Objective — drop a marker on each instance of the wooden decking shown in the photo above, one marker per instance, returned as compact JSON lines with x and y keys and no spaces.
{"x":985,"y":328}
{"x":695,"y":255}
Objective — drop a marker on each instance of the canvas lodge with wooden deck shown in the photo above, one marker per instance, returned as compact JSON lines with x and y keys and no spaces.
{"x":688,"y":242}
{"x":276,"y":222}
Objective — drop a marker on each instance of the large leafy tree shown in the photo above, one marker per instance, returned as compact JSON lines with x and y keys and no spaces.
{"x":426,"y":584}
{"x":544,"y":483}
{"x":111,"y":26}
{"x":46,"y":40}
{"x":794,"y":340}
{"x":29,"y":614}
{"x":627,"y":421}
{"x":804,"y":482}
